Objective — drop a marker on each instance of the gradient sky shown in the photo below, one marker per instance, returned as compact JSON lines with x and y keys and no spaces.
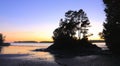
{"x":36,"y":19}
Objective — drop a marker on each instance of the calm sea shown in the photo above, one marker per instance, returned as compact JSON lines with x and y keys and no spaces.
{"x":101,"y":44}
{"x":31,"y":44}
{"x":44,"y":45}
{"x":25,"y":48}
{"x":21,"y":54}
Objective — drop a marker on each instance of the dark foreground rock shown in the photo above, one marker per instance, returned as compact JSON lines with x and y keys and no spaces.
{"x":79,"y":47}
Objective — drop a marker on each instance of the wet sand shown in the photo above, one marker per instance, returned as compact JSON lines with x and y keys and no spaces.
{"x":26,"y":57}
{"x":29,"y":60}
{"x":24,"y":60}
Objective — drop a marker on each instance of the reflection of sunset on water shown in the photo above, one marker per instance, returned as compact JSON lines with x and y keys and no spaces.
{"x":23,"y":50}
{"x":17,"y":50}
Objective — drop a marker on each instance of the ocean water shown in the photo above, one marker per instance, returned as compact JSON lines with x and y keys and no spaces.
{"x":101,"y":44}
{"x":26,"y":48}
{"x":31,"y":44}
{"x":45,"y":45}
{"x":21,"y":54}
{"x":23,"y":48}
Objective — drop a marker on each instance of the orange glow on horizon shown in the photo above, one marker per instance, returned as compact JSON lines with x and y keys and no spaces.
{"x":44,"y":35}
{"x":27,"y":36}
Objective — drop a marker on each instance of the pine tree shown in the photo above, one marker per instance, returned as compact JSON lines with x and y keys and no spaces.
{"x":112,"y":25}
{"x":74,"y":21}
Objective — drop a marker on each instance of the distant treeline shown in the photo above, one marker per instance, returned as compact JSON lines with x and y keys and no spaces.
{"x":51,"y":41}
{"x":97,"y":41}
{"x":33,"y":42}
{"x":25,"y":42}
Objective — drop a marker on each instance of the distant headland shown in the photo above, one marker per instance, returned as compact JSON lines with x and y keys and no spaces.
{"x":33,"y":42}
{"x":51,"y":41}
{"x":25,"y":42}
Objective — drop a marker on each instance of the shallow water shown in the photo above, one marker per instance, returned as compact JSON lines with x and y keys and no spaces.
{"x":22,"y":55}
{"x":25,"y":52}
{"x":26,"y":48}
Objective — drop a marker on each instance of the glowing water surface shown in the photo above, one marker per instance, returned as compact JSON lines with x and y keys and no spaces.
{"x":21,"y":54}
{"x":26,"y":48}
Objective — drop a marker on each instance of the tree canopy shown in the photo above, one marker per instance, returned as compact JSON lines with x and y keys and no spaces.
{"x":74,"y":21}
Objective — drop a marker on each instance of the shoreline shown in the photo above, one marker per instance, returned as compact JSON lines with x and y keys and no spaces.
{"x":30,"y":60}
{"x":24,"y":56}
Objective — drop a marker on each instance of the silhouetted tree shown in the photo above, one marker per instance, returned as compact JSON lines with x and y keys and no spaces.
{"x":74,"y":21}
{"x":84,"y":24}
{"x":111,"y":30}
{"x":1,"y":38}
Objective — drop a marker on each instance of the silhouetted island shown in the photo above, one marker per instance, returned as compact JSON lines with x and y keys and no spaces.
{"x":65,"y":40}
{"x":2,"y":41}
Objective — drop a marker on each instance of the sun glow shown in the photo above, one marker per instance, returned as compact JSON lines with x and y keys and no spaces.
{"x":27,"y":36}
{"x":44,"y":35}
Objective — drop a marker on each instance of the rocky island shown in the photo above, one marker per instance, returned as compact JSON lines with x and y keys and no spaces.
{"x":65,"y":39}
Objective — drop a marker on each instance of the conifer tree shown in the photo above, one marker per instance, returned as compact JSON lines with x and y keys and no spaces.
{"x":112,"y":24}
{"x":74,"y":21}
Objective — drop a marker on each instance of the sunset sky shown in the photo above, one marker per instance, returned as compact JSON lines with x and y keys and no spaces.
{"x":37,"y":19}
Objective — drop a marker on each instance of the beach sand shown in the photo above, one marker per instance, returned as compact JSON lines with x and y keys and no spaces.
{"x":24,"y":56}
